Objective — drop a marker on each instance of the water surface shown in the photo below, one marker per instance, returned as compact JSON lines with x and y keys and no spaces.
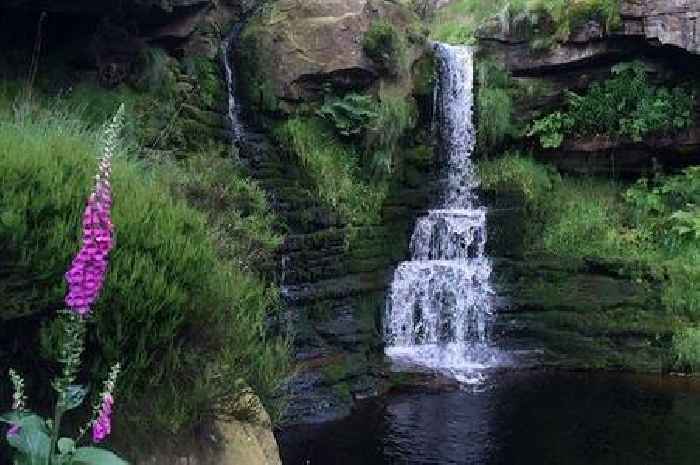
{"x":527,"y":417}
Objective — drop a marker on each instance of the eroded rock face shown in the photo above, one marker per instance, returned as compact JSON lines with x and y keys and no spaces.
{"x":643,"y":23}
{"x":297,"y":46}
{"x":660,"y":33}
{"x":669,"y":22}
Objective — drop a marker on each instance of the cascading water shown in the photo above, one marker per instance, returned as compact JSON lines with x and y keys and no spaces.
{"x":233,"y":110}
{"x":441,"y":300}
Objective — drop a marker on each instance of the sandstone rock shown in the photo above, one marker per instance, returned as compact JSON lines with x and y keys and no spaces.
{"x":668,"y":22}
{"x":297,"y":45}
{"x":656,"y":22}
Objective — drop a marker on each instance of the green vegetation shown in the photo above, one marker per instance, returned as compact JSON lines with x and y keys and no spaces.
{"x":334,"y":168}
{"x":386,"y":46}
{"x":186,"y":316}
{"x":458,"y":22}
{"x":649,"y":229}
{"x":351,"y":115}
{"x":626,"y":105}
{"x":495,"y":106}
{"x":686,"y":346}
{"x":237,"y":208}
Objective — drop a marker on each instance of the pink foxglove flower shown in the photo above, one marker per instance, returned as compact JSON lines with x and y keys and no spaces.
{"x":102,"y":427}
{"x":87,"y":272}
{"x":13,"y":431}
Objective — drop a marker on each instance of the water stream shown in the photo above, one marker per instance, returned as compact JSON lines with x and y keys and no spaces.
{"x":440,"y":302}
{"x":233,"y":108}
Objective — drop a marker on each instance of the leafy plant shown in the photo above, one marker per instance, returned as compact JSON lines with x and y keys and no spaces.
{"x":551,"y":129}
{"x":182,"y":309}
{"x":626,"y":105}
{"x":351,"y":115}
{"x":36,"y":440}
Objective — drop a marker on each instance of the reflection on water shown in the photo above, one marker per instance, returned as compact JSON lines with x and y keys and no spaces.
{"x":523,"y":418}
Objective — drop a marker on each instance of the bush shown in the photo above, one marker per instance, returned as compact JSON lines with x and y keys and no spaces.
{"x":333,"y":167}
{"x":351,"y":115}
{"x":624,"y":106}
{"x":189,"y":326}
{"x":686,"y":348}
{"x":387,"y":47}
{"x":237,"y":207}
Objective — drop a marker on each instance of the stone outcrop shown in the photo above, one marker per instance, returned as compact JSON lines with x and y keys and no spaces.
{"x":643,"y":23}
{"x":660,"y":33}
{"x":296,"y":46}
{"x":227,"y":442}
{"x":667,"y":22}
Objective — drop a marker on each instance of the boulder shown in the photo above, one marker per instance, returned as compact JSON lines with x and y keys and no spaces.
{"x":295,"y":46}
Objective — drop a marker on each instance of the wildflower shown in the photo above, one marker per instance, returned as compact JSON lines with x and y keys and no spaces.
{"x":13,"y":431}
{"x":18,"y":397}
{"x":87,"y":272}
{"x":103,"y":425}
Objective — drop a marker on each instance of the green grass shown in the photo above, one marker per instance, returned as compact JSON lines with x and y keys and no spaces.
{"x":458,"y":22}
{"x":686,"y":346}
{"x":593,"y":218}
{"x":334,"y":169}
{"x":188,"y":324}
{"x":244,"y":225}
{"x":495,"y":106}
{"x":636,"y":227}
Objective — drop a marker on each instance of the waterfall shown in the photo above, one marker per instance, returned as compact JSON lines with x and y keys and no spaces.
{"x":440,"y":302}
{"x":233,"y":110}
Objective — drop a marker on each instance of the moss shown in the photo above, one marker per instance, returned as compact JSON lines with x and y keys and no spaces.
{"x":257,"y":88}
{"x":386,"y":46}
{"x":424,"y":75}
{"x":210,"y":84}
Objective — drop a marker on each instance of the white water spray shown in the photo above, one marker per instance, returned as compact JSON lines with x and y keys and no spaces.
{"x":440,"y":303}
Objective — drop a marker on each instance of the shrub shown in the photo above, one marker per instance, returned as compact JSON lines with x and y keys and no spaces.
{"x":387,"y":47}
{"x":189,"y":325}
{"x":333,"y":167}
{"x":351,"y":115}
{"x":686,"y":348}
{"x":237,"y":207}
{"x":625,"y":105}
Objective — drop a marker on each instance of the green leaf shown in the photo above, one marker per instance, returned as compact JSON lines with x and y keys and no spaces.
{"x":32,"y":441}
{"x":66,"y":445}
{"x":95,"y":456}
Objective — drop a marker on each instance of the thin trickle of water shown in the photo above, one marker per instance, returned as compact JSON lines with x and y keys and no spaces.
{"x":233,"y":109}
{"x":440,"y":302}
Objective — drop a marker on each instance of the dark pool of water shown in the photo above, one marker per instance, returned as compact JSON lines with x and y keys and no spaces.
{"x":518,"y":418}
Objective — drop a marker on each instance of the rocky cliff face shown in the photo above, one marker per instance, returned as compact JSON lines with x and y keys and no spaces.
{"x":334,"y":274}
{"x":659,"y":33}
